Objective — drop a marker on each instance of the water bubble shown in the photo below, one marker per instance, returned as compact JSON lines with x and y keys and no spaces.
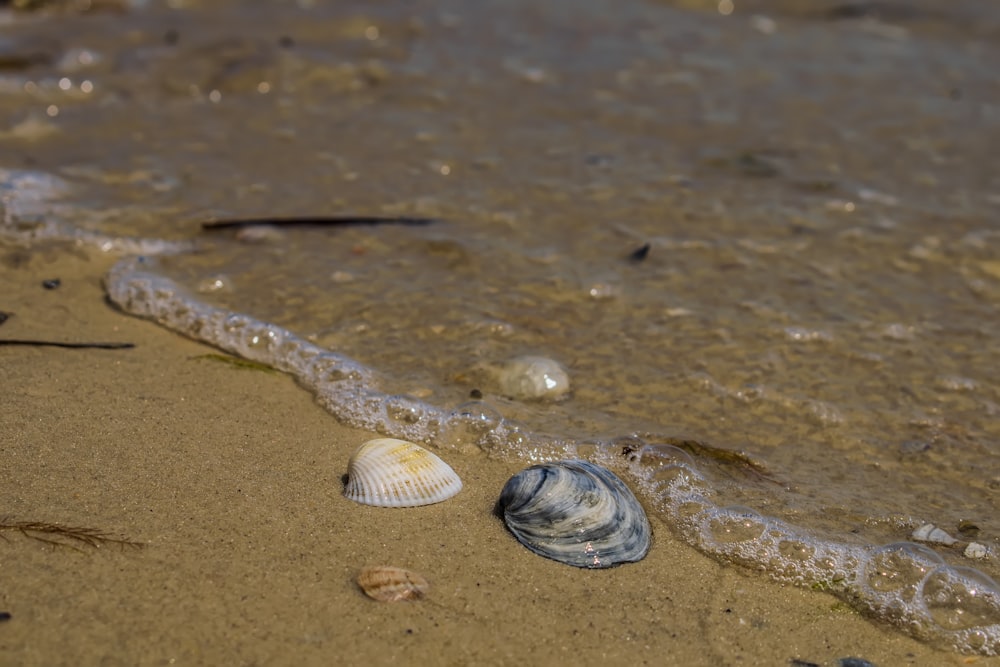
{"x":372,"y":404}
{"x":590,"y":449}
{"x":670,"y":475}
{"x":326,"y":369}
{"x":658,"y":455}
{"x":961,"y":597}
{"x":220,"y":283}
{"x":259,"y":341}
{"x":404,"y":409}
{"x":675,"y":481}
{"x":516,"y":437}
{"x":235,"y":324}
{"x":796,"y":550}
{"x":900,"y":565}
{"x":826,"y":563}
{"x":469,"y":425}
{"x":977,"y":640}
{"x":730,"y":525}
{"x":692,"y":507}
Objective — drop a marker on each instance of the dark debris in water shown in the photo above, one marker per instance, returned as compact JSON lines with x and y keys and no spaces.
{"x":5,"y":616}
{"x":56,"y":343}
{"x":323,"y":221}
{"x":854,"y":662}
{"x":823,"y":186}
{"x":757,"y":165}
{"x":853,"y":10}
{"x":51,"y":283}
{"x":968,"y":530}
{"x":843,"y":662}
{"x":872,"y":11}
{"x":911,"y":447}
{"x":75,"y":6}
{"x":14,"y":60}
{"x":640,"y":253}
{"x":4,"y":316}
{"x":754,"y":163}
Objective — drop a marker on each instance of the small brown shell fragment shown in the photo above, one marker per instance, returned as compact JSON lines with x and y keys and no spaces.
{"x":386,"y":583}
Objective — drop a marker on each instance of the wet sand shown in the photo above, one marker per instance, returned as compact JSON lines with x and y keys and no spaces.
{"x":230,"y":478}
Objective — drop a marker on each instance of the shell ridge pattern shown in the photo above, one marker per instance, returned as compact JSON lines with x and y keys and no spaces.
{"x":395,"y":473}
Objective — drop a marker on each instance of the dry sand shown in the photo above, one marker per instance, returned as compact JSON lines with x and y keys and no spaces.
{"x":231,"y":479}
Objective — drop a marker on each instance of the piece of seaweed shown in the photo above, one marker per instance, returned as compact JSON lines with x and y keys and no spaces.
{"x":56,"y":343}
{"x":320,"y":221}
{"x":70,"y":537}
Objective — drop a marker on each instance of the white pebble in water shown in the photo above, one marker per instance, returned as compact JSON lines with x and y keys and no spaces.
{"x":533,"y":378}
{"x":976,"y":550}
{"x":931,"y":533}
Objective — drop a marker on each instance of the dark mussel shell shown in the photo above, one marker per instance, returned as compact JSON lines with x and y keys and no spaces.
{"x":577,"y":513}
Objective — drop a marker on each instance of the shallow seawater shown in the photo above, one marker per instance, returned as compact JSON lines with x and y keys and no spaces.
{"x":809,"y":187}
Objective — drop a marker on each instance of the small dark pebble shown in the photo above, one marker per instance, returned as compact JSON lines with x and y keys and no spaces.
{"x":853,"y":10}
{"x":598,"y":160}
{"x":640,"y":253}
{"x":757,"y":166}
{"x":909,"y":447}
{"x":51,"y":283}
{"x":476,"y":394}
{"x":968,"y":530}
{"x":4,"y":615}
{"x":4,"y":316}
{"x":888,"y":12}
{"x":854,"y":662}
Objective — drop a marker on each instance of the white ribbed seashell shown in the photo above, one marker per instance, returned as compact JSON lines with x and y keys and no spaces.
{"x":395,"y":473}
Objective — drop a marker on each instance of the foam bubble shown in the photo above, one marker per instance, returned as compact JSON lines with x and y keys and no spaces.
{"x":470,"y":425}
{"x":961,"y":598}
{"x":404,"y":409}
{"x":732,"y":525}
{"x":900,"y":567}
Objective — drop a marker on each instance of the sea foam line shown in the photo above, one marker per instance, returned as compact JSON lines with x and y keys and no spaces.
{"x":905,"y":584}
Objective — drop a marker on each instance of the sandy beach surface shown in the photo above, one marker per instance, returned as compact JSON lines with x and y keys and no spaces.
{"x":230,"y":480}
{"x":809,"y":181}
